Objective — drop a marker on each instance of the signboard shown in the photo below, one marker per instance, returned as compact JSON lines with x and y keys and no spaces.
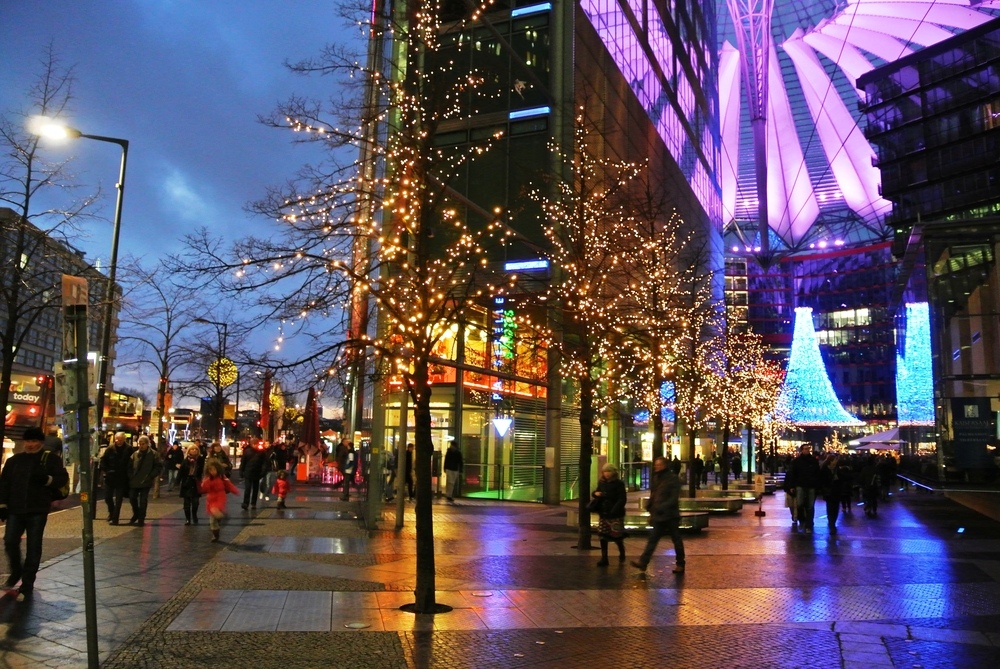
{"x":973,"y":426}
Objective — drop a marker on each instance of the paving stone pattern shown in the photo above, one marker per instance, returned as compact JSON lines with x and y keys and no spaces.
{"x":918,"y":587}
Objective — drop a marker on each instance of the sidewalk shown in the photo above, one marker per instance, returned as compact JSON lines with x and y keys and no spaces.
{"x":919,"y":586}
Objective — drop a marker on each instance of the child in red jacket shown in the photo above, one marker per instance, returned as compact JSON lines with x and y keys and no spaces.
{"x":281,"y":488}
{"x":215,"y":486}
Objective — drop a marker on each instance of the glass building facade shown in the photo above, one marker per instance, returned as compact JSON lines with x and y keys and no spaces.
{"x":933,"y":117}
{"x":494,"y":393}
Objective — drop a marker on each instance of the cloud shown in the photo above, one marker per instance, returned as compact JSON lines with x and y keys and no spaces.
{"x":180,"y":198}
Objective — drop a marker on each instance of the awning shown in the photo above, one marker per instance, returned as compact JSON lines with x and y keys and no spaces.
{"x":880,"y":441}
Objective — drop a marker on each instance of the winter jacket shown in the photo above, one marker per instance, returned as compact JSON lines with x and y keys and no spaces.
{"x":175,"y":454}
{"x":215,"y":489}
{"x":252,"y":463}
{"x":26,"y":484}
{"x":805,"y":472}
{"x":453,"y":460}
{"x":190,"y":473}
{"x":281,"y":488}
{"x":144,"y":467}
{"x":613,"y":498}
{"x":664,"y":496}
{"x":114,"y":466}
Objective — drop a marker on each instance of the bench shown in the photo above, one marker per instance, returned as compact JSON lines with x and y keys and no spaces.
{"x":691,"y":521}
{"x":713,"y":493}
{"x":709,"y":504}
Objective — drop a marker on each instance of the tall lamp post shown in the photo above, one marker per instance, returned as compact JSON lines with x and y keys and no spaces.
{"x":222,"y":328}
{"x":48,"y":127}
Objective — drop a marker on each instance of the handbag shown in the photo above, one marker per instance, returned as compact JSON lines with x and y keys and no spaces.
{"x":613,"y":527}
{"x":595,"y":505}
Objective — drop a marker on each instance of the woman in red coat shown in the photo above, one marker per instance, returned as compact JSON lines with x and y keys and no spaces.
{"x":215,"y":486}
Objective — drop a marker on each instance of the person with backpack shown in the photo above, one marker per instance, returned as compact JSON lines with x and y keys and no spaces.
{"x":30,"y":481}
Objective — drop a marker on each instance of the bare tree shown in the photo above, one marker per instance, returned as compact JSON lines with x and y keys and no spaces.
{"x":382,"y":231}
{"x":157,"y":313}
{"x":38,"y":215}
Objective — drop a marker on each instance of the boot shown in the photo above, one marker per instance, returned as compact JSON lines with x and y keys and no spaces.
{"x":604,"y":554}
{"x":215,"y":535}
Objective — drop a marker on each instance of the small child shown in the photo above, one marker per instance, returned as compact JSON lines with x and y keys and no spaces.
{"x":215,"y":486}
{"x":281,"y":487}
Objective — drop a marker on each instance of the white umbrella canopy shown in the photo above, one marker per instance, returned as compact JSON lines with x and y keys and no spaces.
{"x":880,"y":441}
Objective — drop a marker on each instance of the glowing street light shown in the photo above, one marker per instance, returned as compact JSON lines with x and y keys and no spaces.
{"x":43,"y":126}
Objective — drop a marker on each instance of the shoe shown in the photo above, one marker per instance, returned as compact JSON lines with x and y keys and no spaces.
{"x":11,"y":581}
{"x":603,"y":563}
{"x":133,"y":521}
{"x":113,"y":522}
{"x":638,"y":565}
{"x":679,"y":569}
{"x":215,"y":535}
{"x":187,"y":522}
{"x":253,"y":507}
{"x":141,"y":523}
{"x":195,"y":521}
{"x":24,"y":592}
{"x":245,"y":507}
{"x":833,"y":529}
{"x":621,"y":558}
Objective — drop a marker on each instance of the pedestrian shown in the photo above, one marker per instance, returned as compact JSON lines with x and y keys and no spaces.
{"x":172,"y":462}
{"x":274,"y":463}
{"x":144,"y":468}
{"x":453,"y":463}
{"x":737,"y":466}
{"x":189,"y":472}
{"x":27,"y":488}
{"x":609,"y":500}
{"x":219,"y":454}
{"x":114,"y":465}
{"x":804,"y":472}
{"x":699,"y":470}
{"x":348,"y":465}
{"x":871,"y":486}
{"x":390,"y":475}
{"x":831,"y":485}
{"x":281,"y":487}
{"x":339,"y":458}
{"x":215,"y":486}
{"x":847,"y":483}
{"x":251,"y":465}
{"x":409,"y":471}
{"x":664,"y":514}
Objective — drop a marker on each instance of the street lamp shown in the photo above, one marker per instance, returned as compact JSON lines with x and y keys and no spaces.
{"x":216,"y":370}
{"x":44,"y":126}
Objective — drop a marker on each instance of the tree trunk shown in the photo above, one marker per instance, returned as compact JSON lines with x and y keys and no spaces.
{"x":724,"y":462}
{"x":586,"y":450}
{"x":425,"y":590}
{"x":689,"y":458}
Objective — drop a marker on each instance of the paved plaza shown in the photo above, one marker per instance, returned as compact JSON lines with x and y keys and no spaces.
{"x":918,"y":587}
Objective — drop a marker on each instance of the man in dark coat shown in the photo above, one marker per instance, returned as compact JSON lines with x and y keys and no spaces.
{"x":664,"y":514}
{"x":699,"y":470}
{"x":251,"y":468}
{"x":172,"y":462}
{"x":27,"y":487}
{"x":805,"y":479}
{"x":453,"y":463}
{"x":144,"y":468}
{"x":347,"y":462}
{"x":114,"y":464}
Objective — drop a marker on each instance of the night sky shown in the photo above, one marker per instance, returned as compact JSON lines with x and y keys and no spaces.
{"x":183,"y":81}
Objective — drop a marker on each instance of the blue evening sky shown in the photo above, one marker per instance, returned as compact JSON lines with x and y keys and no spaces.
{"x":183,"y":81}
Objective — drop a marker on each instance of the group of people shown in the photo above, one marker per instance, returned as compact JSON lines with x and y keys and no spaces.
{"x":839,"y":479}
{"x":609,"y":499}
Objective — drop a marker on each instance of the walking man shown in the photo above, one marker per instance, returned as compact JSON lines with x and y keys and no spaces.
{"x":114,"y":464}
{"x":452,"y":467}
{"x":348,"y":464}
{"x":804,"y":473}
{"x":27,"y":484}
{"x":144,"y":468}
{"x":665,"y":514}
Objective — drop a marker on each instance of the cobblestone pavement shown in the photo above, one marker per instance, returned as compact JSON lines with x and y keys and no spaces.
{"x":918,"y":587}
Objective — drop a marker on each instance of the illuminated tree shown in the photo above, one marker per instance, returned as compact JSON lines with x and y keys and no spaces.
{"x":381,"y":231}
{"x":587,"y":223}
{"x":807,"y":395}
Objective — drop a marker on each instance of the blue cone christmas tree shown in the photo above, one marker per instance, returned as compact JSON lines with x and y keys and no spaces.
{"x":914,"y":381}
{"x":807,"y":396}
